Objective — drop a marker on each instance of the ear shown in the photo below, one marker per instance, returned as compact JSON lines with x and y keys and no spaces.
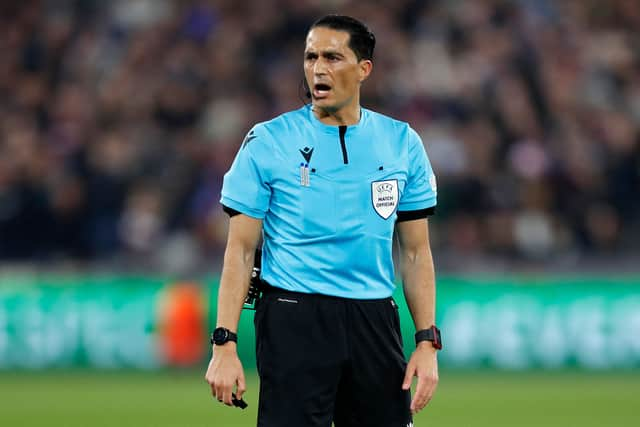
{"x":365,"y":66}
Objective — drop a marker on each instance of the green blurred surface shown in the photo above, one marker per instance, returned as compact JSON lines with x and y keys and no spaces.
{"x":181,"y":398}
{"x":511,"y":322}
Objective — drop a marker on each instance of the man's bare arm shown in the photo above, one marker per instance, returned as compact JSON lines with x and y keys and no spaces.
{"x":225,"y":369}
{"x":418,"y":278}
{"x":244,"y":235}
{"x":418,"y":275}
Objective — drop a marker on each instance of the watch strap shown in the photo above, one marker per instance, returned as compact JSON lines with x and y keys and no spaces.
{"x":431,"y":334}
{"x":232,"y":337}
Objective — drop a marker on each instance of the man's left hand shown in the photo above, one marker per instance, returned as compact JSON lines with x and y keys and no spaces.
{"x":424,"y":365}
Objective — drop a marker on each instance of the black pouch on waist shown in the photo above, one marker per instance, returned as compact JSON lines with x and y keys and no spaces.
{"x":255,"y":283}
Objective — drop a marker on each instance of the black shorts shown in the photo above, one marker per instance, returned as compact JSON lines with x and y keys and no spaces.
{"x":325,"y":359}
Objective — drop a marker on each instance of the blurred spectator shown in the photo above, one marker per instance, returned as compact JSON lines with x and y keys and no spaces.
{"x":118,"y":120}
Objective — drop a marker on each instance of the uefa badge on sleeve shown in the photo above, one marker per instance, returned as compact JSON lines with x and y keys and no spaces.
{"x":384,"y":197}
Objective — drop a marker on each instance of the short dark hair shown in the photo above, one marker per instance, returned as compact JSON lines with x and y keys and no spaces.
{"x":361,"y":39}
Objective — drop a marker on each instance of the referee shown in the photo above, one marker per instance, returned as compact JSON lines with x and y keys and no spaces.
{"x":325,"y":186}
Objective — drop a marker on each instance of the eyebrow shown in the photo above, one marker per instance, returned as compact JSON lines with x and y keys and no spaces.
{"x":323,"y":53}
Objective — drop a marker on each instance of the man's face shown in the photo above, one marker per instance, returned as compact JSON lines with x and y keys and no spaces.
{"x":332,"y":69}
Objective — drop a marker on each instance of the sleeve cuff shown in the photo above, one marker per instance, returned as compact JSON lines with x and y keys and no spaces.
{"x":415,"y":214}
{"x":238,"y":207}
{"x":230,"y":211}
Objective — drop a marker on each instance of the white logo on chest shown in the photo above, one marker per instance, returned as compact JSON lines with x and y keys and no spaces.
{"x":384,"y":197}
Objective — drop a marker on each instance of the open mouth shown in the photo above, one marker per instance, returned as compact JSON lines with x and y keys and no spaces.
{"x":321,"y":90}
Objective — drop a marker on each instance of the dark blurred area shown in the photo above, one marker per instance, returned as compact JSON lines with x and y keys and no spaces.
{"x":118,"y":120}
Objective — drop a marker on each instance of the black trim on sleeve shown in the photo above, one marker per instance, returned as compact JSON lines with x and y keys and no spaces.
{"x":417,"y":214}
{"x":230,"y":211}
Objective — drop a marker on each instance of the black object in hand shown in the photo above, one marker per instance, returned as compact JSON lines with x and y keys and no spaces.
{"x":238,"y":402}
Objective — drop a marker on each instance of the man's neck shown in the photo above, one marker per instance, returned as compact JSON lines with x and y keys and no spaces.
{"x":342,"y":117}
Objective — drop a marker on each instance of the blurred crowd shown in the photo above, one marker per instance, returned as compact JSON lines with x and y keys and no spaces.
{"x":118,"y":120}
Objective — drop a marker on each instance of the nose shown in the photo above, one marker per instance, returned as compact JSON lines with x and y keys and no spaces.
{"x":320,"y":67}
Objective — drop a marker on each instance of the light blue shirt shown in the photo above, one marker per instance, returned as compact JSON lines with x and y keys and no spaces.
{"x":328,"y":201}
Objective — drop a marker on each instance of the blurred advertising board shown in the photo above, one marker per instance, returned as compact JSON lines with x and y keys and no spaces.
{"x":517,"y":323}
{"x":107,"y":322}
{"x":147,"y":323}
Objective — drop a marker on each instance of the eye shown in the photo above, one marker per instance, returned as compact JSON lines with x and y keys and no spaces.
{"x":310,"y":56}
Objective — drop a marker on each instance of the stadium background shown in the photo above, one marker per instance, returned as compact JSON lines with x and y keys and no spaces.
{"x":118,"y":120}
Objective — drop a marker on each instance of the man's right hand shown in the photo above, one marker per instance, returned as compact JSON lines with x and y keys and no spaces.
{"x":224,"y":372}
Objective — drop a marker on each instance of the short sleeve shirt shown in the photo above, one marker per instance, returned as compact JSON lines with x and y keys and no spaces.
{"x":329,"y":197}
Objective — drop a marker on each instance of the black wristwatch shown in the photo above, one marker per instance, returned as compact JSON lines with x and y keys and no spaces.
{"x":432,"y":334}
{"x":221,"y":335}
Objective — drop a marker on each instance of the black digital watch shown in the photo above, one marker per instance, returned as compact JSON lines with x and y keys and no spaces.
{"x":221,"y":335}
{"x":432,"y":334}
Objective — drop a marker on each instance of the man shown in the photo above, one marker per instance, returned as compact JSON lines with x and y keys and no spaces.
{"x":326,"y":186}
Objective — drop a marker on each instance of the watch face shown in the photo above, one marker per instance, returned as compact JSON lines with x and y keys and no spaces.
{"x":220,"y":335}
{"x":437,"y":341}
